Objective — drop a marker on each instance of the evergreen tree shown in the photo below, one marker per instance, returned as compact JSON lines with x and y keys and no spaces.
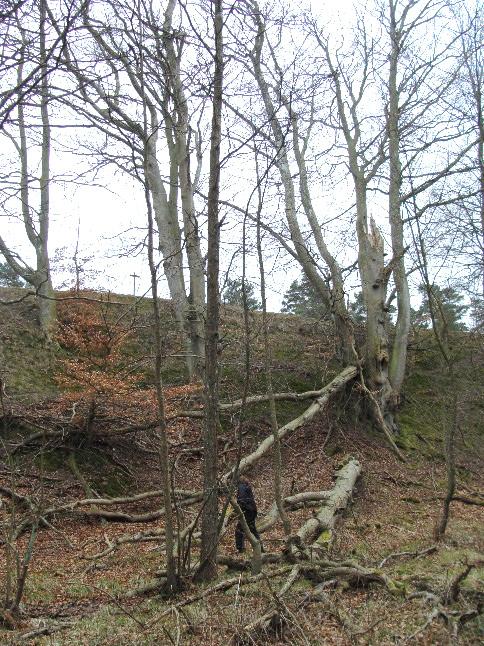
{"x":302,"y":299}
{"x":8,"y":278}
{"x":477,"y":313}
{"x":233,"y":294}
{"x":447,"y":307}
{"x":357,"y":308}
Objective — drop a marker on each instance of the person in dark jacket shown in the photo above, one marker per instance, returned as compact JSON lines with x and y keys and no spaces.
{"x":246,"y":501}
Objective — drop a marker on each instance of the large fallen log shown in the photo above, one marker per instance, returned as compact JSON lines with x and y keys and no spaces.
{"x":338,"y":499}
{"x":260,"y":399}
{"x":334,"y":386}
{"x":306,"y":498}
{"x":74,"y":507}
{"x":309,"y":533}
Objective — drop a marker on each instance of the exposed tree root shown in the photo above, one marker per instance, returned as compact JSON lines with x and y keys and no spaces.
{"x":379,"y":418}
{"x":318,"y":571}
{"x":454,"y":619}
{"x":452,"y":594}
{"x":271,"y":619}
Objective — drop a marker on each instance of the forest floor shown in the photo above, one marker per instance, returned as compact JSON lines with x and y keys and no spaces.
{"x":80,"y":599}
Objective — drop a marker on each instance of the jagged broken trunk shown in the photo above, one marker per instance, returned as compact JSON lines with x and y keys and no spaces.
{"x":377,"y":352}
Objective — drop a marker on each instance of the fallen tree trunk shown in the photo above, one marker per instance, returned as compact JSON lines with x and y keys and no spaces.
{"x":290,"y":503}
{"x":112,"y":545}
{"x":334,"y":386}
{"x":230,"y":407}
{"x":337,"y":500}
{"x":187,"y":498}
{"x":260,"y":399}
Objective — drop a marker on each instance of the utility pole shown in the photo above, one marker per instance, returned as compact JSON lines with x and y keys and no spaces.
{"x":134,"y":276}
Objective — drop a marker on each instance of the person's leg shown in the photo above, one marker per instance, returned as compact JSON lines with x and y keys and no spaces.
{"x":250,"y":518}
{"x":239,"y":537}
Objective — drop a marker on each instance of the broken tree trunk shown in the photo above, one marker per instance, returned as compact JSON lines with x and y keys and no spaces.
{"x":306,"y":498}
{"x":337,"y":500}
{"x":334,"y":386}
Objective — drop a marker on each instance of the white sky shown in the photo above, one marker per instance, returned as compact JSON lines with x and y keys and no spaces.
{"x":112,"y":219}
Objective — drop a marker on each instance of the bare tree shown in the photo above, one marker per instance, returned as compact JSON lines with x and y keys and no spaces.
{"x":378,"y":112}
{"x":276,"y":448}
{"x":30,"y":109}
{"x":208,"y":553}
{"x":283,"y":133}
{"x":108,"y":94}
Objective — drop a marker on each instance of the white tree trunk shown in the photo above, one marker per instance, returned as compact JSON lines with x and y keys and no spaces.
{"x":398,"y":359}
{"x":338,"y":499}
{"x":37,"y":231}
{"x":332,"y":298}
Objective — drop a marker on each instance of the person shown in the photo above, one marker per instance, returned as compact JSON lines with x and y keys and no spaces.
{"x":246,"y":502}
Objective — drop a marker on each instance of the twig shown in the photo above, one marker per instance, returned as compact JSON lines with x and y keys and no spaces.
{"x":416,"y":554}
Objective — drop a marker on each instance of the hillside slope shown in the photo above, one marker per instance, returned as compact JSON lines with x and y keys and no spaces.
{"x":394,"y":510}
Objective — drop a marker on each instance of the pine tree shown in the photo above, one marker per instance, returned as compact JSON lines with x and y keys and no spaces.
{"x":447,"y":306}
{"x":357,"y":308}
{"x":302,"y":299}
{"x":8,"y":278}
{"x":233,"y":294}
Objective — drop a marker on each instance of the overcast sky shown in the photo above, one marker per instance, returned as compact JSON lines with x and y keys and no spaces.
{"x":108,"y":218}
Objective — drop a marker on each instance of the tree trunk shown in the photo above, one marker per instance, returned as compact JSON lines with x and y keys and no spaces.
{"x":398,"y":359}
{"x":208,"y":552}
{"x":337,"y":384}
{"x":170,"y":244}
{"x":276,"y":448}
{"x":179,"y":125}
{"x":338,"y":499}
{"x":154,"y":189}
{"x":333,"y":299}
{"x":47,"y":306}
{"x":449,"y":424}
{"x":376,"y":350}
{"x":37,"y":232}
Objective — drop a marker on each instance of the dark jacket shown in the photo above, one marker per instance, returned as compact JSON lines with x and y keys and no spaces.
{"x":245,"y":498}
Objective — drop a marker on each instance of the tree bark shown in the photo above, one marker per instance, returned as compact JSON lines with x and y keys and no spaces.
{"x":276,"y":448}
{"x":208,"y":554}
{"x":398,"y":359}
{"x":333,"y":299}
{"x":338,"y":499}
{"x":339,"y":382}
{"x":37,"y":232}
{"x":151,"y":173}
{"x":181,"y":161}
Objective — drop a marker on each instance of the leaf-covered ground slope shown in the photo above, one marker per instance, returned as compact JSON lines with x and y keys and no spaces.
{"x":93,"y":399}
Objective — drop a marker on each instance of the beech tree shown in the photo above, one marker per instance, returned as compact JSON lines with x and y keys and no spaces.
{"x":26,"y":195}
{"x":109,"y":90}
{"x":208,"y":553}
{"x":377,"y":112}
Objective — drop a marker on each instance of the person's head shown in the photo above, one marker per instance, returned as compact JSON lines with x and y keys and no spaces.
{"x":243,"y":480}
